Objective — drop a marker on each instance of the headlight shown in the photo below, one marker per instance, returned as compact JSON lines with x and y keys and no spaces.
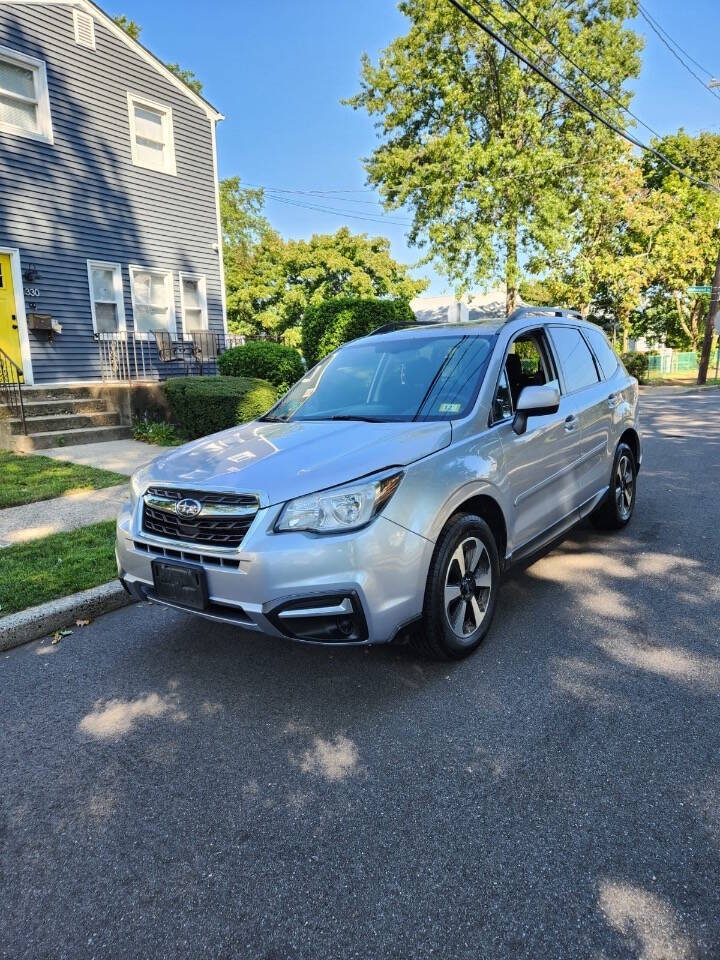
{"x":339,"y":509}
{"x":138,"y":485}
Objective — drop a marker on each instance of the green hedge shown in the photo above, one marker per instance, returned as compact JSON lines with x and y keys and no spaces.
{"x":280,"y":365}
{"x":332,"y":323}
{"x":203,"y":405}
{"x":637,"y":365}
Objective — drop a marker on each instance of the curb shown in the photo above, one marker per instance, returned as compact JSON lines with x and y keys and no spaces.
{"x":37,"y":622}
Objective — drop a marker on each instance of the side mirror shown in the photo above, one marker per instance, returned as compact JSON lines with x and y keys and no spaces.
{"x":536,"y":402}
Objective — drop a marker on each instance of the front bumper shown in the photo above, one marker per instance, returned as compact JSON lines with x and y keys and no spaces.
{"x":381,"y":569}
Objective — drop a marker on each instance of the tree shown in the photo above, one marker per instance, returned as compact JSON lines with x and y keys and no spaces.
{"x":271,"y":281}
{"x":489,"y":157}
{"x":688,"y":245}
{"x":133,"y":29}
{"x":607,"y":265}
{"x":188,"y":77}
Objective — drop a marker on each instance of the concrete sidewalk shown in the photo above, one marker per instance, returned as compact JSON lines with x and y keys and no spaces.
{"x":78,"y":508}
{"x":121,"y":456}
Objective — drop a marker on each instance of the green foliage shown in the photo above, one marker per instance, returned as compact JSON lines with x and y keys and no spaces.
{"x":492,"y":161}
{"x":188,"y":77}
{"x":56,"y":566}
{"x":26,"y":478}
{"x":131,"y":27}
{"x":328,"y":325}
{"x":280,"y":365}
{"x":271,"y":281}
{"x":203,"y":405}
{"x":637,"y":365}
{"x":157,"y":432}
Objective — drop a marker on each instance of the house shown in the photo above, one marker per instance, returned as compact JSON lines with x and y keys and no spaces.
{"x":110,"y":242}
{"x":470,"y":307}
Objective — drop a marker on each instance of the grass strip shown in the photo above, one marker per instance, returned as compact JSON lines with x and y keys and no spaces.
{"x":29,"y":478}
{"x":56,"y":566}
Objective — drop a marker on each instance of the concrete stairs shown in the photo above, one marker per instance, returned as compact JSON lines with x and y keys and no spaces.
{"x":61,"y":416}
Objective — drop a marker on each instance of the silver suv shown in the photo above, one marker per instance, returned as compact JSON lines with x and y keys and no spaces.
{"x":387,"y":492}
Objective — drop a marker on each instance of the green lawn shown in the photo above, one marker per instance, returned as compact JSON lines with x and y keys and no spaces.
{"x":55,"y":566}
{"x":26,"y":479}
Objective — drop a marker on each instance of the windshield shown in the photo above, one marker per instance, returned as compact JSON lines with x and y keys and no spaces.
{"x":416,"y":378}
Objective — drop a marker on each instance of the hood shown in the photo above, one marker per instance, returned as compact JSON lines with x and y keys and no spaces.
{"x":280,"y":461}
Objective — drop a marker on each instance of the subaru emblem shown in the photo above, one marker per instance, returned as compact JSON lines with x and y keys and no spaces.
{"x":188,"y":508}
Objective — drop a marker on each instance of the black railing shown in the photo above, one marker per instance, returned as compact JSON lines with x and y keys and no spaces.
{"x":11,"y":383}
{"x":128,"y":356}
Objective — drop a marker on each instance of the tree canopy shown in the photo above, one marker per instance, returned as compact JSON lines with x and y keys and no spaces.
{"x":492,"y":161}
{"x":133,"y":29}
{"x":271,"y":281}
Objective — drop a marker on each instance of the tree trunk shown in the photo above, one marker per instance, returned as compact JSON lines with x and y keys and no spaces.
{"x":511,"y":269}
{"x":710,"y":325}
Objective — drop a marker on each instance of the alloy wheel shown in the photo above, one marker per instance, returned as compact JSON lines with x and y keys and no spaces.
{"x":624,"y":487}
{"x":468,"y":582}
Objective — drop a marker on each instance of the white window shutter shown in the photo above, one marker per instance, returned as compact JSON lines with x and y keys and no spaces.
{"x":84,"y":29}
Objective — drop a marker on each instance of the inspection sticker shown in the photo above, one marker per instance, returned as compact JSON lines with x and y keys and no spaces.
{"x":449,"y":408}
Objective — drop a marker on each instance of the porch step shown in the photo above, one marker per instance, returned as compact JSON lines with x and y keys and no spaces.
{"x":65,"y":438}
{"x":57,"y":393}
{"x":51,"y":408}
{"x":63,"y":422}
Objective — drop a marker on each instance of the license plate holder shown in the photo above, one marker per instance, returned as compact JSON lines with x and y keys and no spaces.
{"x":182,"y":583}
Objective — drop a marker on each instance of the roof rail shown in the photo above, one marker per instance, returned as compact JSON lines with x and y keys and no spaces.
{"x":405,"y":325}
{"x":520,"y":312}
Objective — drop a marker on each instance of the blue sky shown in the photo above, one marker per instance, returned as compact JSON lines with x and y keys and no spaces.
{"x":277,"y":69}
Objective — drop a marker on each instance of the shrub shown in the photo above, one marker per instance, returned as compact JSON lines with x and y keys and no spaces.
{"x":280,"y":365}
{"x":637,"y":365}
{"x":332,"y":323}
{"x":155,"y":431}
{"x":203,"y":405}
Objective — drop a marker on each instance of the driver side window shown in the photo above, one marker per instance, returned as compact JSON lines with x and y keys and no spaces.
{"x":527,"y":364}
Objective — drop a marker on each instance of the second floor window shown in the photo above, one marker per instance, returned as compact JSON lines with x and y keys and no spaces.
{"x":24,"y":102}
{"x":151,"y":134}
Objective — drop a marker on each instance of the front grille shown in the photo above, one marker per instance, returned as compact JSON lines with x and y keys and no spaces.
{"x":219,"y":527}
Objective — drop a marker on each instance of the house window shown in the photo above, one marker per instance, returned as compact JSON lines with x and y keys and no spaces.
{"x":193,"y":301}
{"x":84,"y":29}
{"x":24,"y":101}
{"x":151,"y":134}
{"x":106,"y":296}
{"x":152,"y":300}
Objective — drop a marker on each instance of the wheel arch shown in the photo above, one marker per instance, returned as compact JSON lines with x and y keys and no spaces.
{"x":632,"y":439}
{"x":487,"y":507}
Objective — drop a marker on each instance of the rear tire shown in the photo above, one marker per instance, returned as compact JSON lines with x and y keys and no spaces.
{"x":616,"y":510}
{"x":461,"y":590}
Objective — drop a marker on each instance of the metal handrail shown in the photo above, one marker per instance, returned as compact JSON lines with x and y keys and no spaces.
{"x":11,"y":387}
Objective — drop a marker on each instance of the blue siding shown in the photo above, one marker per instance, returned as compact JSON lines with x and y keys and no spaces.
{"x":82,"y":199}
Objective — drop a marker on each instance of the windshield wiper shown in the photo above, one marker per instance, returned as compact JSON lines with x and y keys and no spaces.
{"x":269,"y":419}
{"x":347,"y":416}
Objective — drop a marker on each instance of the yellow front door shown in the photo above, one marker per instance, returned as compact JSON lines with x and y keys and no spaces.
{"x":9,"y":336}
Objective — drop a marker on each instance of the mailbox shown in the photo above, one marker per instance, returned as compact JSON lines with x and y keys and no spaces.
{"x":43,"y":323}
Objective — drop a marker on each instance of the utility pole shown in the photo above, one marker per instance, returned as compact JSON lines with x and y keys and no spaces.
{"x":710,"y":325}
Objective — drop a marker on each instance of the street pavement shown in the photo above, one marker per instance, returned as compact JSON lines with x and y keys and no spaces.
{"x":174,"y":789}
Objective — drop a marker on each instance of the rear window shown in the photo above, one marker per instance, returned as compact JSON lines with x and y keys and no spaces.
{"x":575,"y":358}
{"x":604,"y":353}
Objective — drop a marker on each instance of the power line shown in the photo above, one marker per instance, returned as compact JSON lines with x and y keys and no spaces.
{"x":656,"y":29}
{"x":673,"y":41}
{"x":577,"y":101}
{"x":339,"y":213}
{"x":593,"y":81}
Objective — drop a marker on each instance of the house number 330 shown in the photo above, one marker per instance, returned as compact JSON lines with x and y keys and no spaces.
{"x":32,"y":291}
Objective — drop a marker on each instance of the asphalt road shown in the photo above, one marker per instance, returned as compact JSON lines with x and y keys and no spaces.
{"x":174,"y":789}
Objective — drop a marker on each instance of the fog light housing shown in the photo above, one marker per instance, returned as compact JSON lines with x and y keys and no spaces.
{"x":331,"y":618}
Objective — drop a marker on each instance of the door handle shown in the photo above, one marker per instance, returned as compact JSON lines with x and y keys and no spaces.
{"x":14,"y":326}
{"x":570,"y":423}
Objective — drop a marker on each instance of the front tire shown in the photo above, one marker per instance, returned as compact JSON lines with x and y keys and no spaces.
{"x":616,"y":510}
{"x":461,"y":590}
